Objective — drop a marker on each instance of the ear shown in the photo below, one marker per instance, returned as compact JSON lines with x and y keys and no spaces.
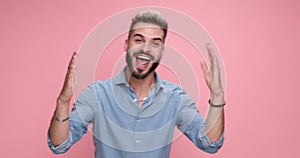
{"x":126,"y":45}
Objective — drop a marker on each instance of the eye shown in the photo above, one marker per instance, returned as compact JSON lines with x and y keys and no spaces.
{"x":138,"y":40}
{"x":156,"y":43}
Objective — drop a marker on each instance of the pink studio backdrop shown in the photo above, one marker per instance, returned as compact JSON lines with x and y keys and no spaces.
{"x":258,"y":41}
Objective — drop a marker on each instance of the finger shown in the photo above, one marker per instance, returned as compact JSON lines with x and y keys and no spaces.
{"x":204,"y":66}
{"x":73,"y":57}
{"x":214,"y":65}
{"x":206,"y":72}
{"x":210,"y":51}
{"x":71,"y":67}
{"x":205,"y":69}
{"x":215,"y":70}
{"x":72,"y":61}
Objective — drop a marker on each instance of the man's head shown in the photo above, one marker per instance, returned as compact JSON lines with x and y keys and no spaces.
{"x":145,"y":43}
{"x":151,"y":17}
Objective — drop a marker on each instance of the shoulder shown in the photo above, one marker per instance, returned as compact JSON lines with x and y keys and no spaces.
{"x":172,"y":88}
{"x":102,"y":82}
{"x":177,"y":93}
{"x":94,"y":87}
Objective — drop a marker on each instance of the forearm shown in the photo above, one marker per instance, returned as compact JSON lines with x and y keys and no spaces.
{"x":59,"y":131}
{"x":215,"y":120}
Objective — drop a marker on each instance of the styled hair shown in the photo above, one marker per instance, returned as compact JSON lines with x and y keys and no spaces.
{"x":152,"y":17}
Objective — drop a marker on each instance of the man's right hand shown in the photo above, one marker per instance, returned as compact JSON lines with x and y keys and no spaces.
{"x":66,"y":93}
{"x":59,"y":130}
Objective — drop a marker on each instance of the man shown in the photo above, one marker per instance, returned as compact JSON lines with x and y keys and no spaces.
{"x":134,"y":113}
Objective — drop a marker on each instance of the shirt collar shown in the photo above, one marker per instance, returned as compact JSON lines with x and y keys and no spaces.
{"x":120,"y":79}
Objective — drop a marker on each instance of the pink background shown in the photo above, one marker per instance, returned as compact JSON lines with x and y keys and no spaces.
{"x":258,"y":40}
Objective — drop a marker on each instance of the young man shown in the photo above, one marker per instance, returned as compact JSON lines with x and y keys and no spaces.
{"x":134,"y":113}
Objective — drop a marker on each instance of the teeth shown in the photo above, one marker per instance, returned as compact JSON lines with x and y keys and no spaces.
{"x":143,"y":58}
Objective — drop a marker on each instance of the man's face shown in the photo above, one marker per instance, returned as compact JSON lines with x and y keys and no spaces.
{"x":144,"y":49}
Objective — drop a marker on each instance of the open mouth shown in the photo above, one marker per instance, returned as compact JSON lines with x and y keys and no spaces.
{"x":142,"y":61}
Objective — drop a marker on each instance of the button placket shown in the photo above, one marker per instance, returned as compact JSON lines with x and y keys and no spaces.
{"x":137,"y":139}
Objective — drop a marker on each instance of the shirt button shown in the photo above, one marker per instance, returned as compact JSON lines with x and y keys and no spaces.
{"x":137,"y":120}
{"x":137,"y":141}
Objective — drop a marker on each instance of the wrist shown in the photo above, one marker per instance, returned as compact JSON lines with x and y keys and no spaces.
{"x":61,"y":100}
{"x":216,"y":105}
{"x":62,"y":108}
{"x":60,"y":119}
{"x":217,"y":99}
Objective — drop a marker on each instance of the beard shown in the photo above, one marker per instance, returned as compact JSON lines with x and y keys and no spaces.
{"x":131,"y":67}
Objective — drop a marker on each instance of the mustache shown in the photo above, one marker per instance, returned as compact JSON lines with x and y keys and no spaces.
{"x":143,"y":53}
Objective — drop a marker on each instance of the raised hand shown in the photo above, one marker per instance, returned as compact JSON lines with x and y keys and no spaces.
{"x":66,"y":93}
{"x":212,"y":77}
{"x":215,"y":118}
{"x":59,"y":127}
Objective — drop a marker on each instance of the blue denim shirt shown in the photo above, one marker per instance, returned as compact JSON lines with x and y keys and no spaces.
{"x":121,"y":129}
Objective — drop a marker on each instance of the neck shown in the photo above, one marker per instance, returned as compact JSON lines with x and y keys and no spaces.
{"x":141,"y":86}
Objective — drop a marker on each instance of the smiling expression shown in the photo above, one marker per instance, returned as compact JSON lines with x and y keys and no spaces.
{"x":144,"y":49}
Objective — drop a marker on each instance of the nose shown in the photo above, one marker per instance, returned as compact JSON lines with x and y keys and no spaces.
{"x":146,"y":47}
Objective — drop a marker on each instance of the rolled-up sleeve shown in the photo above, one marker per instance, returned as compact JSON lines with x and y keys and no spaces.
{"x":196,"y":133}
{"x":77,"y":130}
{"x":82,"y":114}
{"x":192,"y":124}
{"x":62,"y":148}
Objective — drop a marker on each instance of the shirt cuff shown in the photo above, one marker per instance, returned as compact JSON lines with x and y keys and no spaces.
{"x":63,"y":147}
{"x":211,"y":147}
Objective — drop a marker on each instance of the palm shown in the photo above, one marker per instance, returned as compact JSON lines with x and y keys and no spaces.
{"x":67,"y":90}
{"x":212,"y":75}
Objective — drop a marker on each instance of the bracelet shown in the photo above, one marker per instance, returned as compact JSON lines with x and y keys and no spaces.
{"x":61,"y":120}
{"x":217,"y":106}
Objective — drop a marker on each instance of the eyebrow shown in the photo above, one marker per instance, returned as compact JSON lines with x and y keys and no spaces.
{"x":153,"y":39}
{"x":157,"y":39}
{"x":139,"y":35}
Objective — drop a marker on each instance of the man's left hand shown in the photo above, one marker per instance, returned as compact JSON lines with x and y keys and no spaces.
{"x":212,"y":77}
